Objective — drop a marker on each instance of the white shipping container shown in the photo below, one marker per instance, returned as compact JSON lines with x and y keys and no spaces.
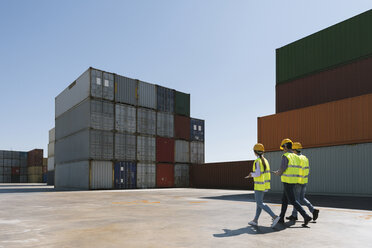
{"x":146,"y":148}
{"x":51,"y":149}
{"x":125,"y":118}
{"x":146,"y":95}
{"x":51,"y":164}
{"x":334,"y":170}
{"x":125,"y":147}
{"x":101,"y":175}
{"x":182,"y":151}
{"x":165,"y":124}
{"x":52,"y":135}
{"x":146,"y":121}
{"x":181,"y":175}
{"x":146,"y":175}
{"x":197,"y":152}
{"x":73,"y":175}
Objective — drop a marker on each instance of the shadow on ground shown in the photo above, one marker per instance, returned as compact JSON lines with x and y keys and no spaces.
{"x":249,"y":230}
{"x":351,"y":202}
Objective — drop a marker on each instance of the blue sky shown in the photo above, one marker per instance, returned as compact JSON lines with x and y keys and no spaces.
{"x":221,"y":52}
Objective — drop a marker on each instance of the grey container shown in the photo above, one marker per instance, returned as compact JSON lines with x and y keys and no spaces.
{"x":182,"y":151}
{"x":7,"y":170}
{"x":125,"y":90}
{"x":96,"y":114}
{"x":92,"y":83}
{"x":23,"y":171}
{"x":125,"y":147}
{"x":15,"y":155}
{"x":16,"y":163}
{"x":7,"y":162}
{"x":181,"y":175}
{"x":23,"y":179}
{"x":1,"y":178}
{"x":1,"y":163}
{"x":146,"y":121}
{"x":146,"y":175}
{"x":7,"y":178}
{"x":1,"y":170}
{"x":146,"y":95}
{"x":125,"y":118}
{"x":1,"y":155}
{"x":7,"y":154}
{"x":334,"y":170}
{"x":197,"y":152}
{"x":165,"y":124}
{"x":165,"y":99}
{"x":146,"y":148}
{"x":101,"y":175}
{"x":84,"y":145}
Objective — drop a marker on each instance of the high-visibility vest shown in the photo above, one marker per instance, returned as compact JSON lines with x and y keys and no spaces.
{"x":305,"y":169}
{"x":262,"y":182}
{"x":292,"y":174}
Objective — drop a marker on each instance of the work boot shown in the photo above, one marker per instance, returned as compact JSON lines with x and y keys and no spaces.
{"x":253,"y":223}
{"x":315,"y":214}
{"x":281,"y":220}
{"x":306,"y":221}
{"x":275,"y":221}
{"x":291,"y":218}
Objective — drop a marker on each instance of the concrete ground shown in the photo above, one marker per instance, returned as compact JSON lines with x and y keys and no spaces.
{"x":36,"y":215}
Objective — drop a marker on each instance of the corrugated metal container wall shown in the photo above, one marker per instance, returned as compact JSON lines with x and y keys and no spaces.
{"x":182,"y":103}
{"x":51,"y":149}
{"x":34,"y":170}
{"x":125,"y":175}
{"x":96,"y":83}
{"x":165,"y":124}
{"x":50,"y":178}
{"x":340,"y":43}
{"x":197,"y":129}
{"x":125,"y":147}
{"x":164,"y":175}
{"x":15,"y":155}
{"x":7,"y":154}
{"x":73,"y":94}
{"x":35,"y":157}
{"x":182,"y":151}
{"x":146,"y":121}
{"x":146,"y":175}
{"x":182,"y":127}
{"x":1,"y":155}
{"x":101,"y":175}
{"x":108,"y":86}
{"x":50,"y":163}
{"x":342,"y":82}
{"x":146,"y":95}
{"x":85,"y":145}
{"x":95,"y":114}
{"x":125,"y":118}
{"x":227,"y":175}
{"x":52,"y":135}
{"x":146,"y":148}
{"x":15,"y":163}
{"x":125,"y":90}
{"x":197,"y":152}
{"x":164,"y":149}
{"x":181,"y":175}
{"x":347,"y":121}
{"x":339,"y":170}
{"x":165,"y":99}
{"x":72,"y":175}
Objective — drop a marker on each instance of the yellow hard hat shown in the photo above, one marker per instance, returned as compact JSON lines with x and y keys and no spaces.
{"x":259,"y":147}
{"x":285,"y":141}
{"x":297,"y":146}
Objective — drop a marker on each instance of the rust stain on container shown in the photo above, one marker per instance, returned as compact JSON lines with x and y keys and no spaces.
{"x":347,"y":121}
{"x":346,"y":81}
{"x":225,"y":175}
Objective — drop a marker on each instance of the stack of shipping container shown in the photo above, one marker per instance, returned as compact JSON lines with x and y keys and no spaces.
{"x":115,"y":132}
{"x":324,"y":101}
{"x":50,"y":169}
{"x":35,"y":166}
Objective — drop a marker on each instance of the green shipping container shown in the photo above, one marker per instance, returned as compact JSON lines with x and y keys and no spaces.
{"x":339,"y":44}
{"x":182,"y":103}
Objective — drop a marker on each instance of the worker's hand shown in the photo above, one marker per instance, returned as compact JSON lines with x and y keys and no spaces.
{"x":276,"y":172}
{"x":249,"y":176}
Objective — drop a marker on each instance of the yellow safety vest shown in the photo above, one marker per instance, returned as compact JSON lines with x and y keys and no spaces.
{"x":262,"y":182}
{"x":292,"y":174}
{"x":305,"y":169}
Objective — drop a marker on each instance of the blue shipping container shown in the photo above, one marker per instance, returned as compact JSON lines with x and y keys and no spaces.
{"x":165,"y":99}
{"x":23,"y":155}
{"x":45,"y":178}
{"x":125,"y":175}
{"x":197,"y":129}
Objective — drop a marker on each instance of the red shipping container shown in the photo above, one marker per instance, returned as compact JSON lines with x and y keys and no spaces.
{"x":35,"y":157}
{"x":164,"y":175}
{"x":164,"y":149}
{"x":350,"y":80}
{"x":182,"y":127}
{"x":15,"y":171}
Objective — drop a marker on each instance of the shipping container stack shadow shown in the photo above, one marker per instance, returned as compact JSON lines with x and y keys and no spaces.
{"x":136,"y":135}
{"x":324,"y":101}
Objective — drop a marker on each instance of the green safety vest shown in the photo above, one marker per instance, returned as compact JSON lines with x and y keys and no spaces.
{"x":262,"y":182}
{"x":304,"y":169}
{"x":292,"y":174}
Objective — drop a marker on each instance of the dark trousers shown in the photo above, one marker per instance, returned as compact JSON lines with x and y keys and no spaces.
{"x":289,"y":196}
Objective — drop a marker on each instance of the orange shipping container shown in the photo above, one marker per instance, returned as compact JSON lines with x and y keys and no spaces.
{"x":347,"y":121}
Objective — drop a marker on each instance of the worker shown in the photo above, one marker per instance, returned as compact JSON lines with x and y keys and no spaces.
{"x":261,"y":176}
{"x":300,"y":189}
{"x":290,"y":176}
